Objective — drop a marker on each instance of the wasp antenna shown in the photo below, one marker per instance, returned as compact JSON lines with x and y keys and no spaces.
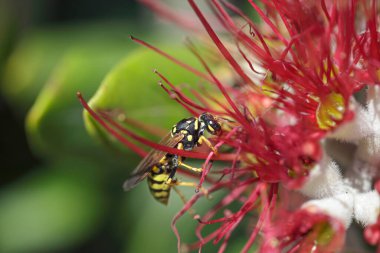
{"x":225,"y":119}
{"x":187,"y":41}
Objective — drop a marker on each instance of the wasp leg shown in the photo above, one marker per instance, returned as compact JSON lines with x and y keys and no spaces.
{"x":180,"y":194}
{"x":191,"y":211}
{"x":178,"y":161}
{"x":184,"y":200}
{"x":208,"y":143}
{"x":170,"y":179}
{"x":199,"y":170}
{"x":190,"y":184}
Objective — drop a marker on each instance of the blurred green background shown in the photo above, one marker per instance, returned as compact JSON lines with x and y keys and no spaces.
{"x":61,"y":189}
{"x":61,"y":184}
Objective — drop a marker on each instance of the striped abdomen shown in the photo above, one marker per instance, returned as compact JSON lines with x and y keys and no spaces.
{"x":157,"y":186}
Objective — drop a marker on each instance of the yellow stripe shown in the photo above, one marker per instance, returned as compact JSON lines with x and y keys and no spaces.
{"x":156,"y":186}
{"x":196,"y":124}
{"x":160,"y":194}
{"x":163,"y":186}
{"x":159,"y":183}
{"x":160,"y":177}
{"x":155,"y":169}
{"x":163,"y":160}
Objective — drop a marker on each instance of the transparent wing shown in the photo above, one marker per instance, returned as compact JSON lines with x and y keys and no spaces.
{"x":134,"y":180}
{"x":153,"y":157}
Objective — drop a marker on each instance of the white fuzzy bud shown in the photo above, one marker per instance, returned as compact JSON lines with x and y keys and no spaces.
{"x":325,"y":180}
{"x":357,"y":128}
{"x":369,"y":149}
{"x":367,"y":207}
{"x":339,"y":207}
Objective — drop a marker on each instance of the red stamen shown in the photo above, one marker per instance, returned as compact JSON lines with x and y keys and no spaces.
{"x":183,"y":97}
{"x":219,"y":44}
{"x":221,"y":157}
{"x":232,"y":196}
{"x":173,"y":16}
{"x":186,"y":207}
{"x":324,"y":8}
{"x":123,"y":140}
{"x":246,"y":59}
{"x":162,"y":147}
{"x":238,"y":116}
{"x":171,"y":58}
{"x":174,"y":95}
{"x":205,"y":166}
{"x":225,"y":242}
{"x":263,"y":216}
{"x":238,"y":216}
{"x":207,"y":107}
{"x":252,"y":26}
{"x":267,"y":20}
{"x":154,"y":131}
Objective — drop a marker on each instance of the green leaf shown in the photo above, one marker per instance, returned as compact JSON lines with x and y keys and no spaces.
{"x":53,"y":208}
{"x":133,"y":88}
{"x":54,"y":123}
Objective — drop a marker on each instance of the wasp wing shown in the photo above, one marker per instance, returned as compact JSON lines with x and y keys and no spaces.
{"x":153,"y":157}
{"x":134,"y":180}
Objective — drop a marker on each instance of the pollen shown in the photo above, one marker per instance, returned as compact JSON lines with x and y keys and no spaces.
{"x":330,"y":111}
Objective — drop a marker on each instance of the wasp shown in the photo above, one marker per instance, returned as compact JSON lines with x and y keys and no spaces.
{"x":160,"y":167}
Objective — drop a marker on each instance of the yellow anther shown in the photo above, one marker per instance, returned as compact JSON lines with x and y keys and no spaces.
{"x":330,"y":110}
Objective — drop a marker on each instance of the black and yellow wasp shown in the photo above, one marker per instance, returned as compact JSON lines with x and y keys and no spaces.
{"x":159,"y":167}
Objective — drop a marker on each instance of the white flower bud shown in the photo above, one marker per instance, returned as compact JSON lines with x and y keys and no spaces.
{"x":339,"y":207}
{"x":325,"y":180}
{"x":367,"y":207}
{"x":357,"y":128}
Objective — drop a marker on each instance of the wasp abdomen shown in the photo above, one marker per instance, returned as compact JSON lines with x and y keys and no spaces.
{"x":157,"y":184}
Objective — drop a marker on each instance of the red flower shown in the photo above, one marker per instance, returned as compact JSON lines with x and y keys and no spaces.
{"x":372,"y":233}
{"x":304,"y":231}
{"x":315,"y":55}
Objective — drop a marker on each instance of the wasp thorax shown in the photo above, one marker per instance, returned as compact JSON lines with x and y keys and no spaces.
{"x":210,"y":123}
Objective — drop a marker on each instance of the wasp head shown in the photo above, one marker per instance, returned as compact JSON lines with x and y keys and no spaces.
{"x":210,"y":123}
